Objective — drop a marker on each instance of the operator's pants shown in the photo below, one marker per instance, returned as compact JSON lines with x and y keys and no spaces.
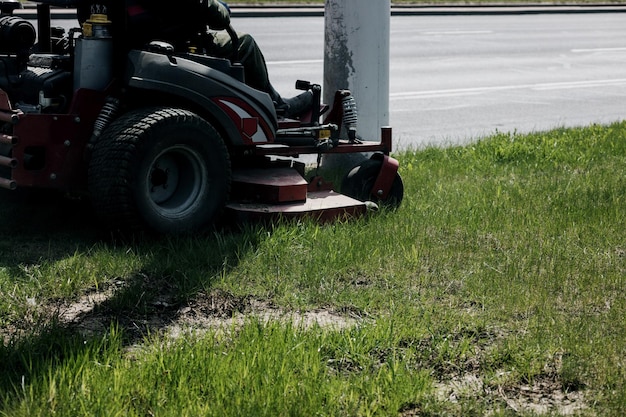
{"x":248,"y":53}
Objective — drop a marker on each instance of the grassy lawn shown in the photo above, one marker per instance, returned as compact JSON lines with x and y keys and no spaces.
{"x":496,"y":289}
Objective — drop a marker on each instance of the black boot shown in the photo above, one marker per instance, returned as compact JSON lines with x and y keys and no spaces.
{"x":299,"y":105}
{"x":291,"y":107}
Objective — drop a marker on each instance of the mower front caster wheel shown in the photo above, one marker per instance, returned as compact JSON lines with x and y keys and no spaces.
{"x":359,"y":183}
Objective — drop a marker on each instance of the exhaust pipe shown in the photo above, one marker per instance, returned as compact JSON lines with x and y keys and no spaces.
{"x":8,"y":184}
{"x":8,"y":162}
{"x":7,"y":140}
{"x":7,"y":117}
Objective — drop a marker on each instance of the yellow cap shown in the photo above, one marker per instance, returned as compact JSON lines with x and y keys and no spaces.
{"x":99,"y":18}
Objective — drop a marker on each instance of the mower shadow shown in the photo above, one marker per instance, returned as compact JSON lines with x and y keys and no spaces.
{"x":42,"y":225}
{"x":49,"y":227}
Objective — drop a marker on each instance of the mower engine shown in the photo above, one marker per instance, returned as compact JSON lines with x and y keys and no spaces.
{"x":37,"y":83}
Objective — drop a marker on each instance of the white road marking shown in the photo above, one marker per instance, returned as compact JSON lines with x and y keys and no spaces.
{"x":481,"y":90}
{"x":457,"y":32}
{"x":583,"y":50}
{"x":296,"y":62}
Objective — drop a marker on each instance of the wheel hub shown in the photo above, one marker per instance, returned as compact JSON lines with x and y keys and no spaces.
{"x":164,"y":178}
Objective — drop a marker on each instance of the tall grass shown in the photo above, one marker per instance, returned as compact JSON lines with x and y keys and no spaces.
{"x":496,"y":287}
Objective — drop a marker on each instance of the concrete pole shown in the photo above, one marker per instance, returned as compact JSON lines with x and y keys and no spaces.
{"x":356,"y":57}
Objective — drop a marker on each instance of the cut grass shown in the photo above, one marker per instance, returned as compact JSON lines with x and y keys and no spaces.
{"x":497,"y":287}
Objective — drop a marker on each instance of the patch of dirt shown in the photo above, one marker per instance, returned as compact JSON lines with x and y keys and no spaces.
{"x":542,"y":397}
{"x":460,"y":380}
{"x":80,"y":313}
{"x":220,"y":310}
{"x":545,"y":395}
{"x":93,"y":314}
{"x":207,"y":311}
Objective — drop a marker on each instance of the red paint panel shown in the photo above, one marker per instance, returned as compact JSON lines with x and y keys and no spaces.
{"x":249,"y":126}
{"x":275,"y":185}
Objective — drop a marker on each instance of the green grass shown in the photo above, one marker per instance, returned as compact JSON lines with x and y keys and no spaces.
{"x":496,"y":287}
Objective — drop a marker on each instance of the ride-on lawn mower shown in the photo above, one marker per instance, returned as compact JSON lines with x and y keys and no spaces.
{"x":176,"y":141}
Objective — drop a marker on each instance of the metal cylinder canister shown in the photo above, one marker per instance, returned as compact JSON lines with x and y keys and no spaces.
{"x":93,"y":61}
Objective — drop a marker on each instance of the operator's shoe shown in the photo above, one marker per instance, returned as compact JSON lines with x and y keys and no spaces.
{"x":295,"y":106}
{"x":299,"y":105}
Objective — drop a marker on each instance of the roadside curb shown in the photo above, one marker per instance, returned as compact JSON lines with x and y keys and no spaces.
{"x":505,"y":9}
{"x":29,"y":10}
{"x":413,"y":10}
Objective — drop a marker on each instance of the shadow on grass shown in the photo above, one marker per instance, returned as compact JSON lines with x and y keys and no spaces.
{"x":48,"y":227}
{"x":42,"y":225}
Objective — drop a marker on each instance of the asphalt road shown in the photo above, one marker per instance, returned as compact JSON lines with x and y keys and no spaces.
{"x":455,"y":78}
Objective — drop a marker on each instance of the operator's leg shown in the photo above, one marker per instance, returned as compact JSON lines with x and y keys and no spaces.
{"x":255,"y":71}
{"x":248,"y":53}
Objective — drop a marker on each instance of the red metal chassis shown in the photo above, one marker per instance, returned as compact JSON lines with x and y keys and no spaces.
{"x":63,"y":139}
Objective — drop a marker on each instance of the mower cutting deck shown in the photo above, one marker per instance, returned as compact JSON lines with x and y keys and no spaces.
{"x":283,"y":192}
{"x":278,"y":187}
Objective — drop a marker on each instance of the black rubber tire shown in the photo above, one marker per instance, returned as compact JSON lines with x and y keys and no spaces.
{"x":162,"y":170}
{"x":358,"y":184}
